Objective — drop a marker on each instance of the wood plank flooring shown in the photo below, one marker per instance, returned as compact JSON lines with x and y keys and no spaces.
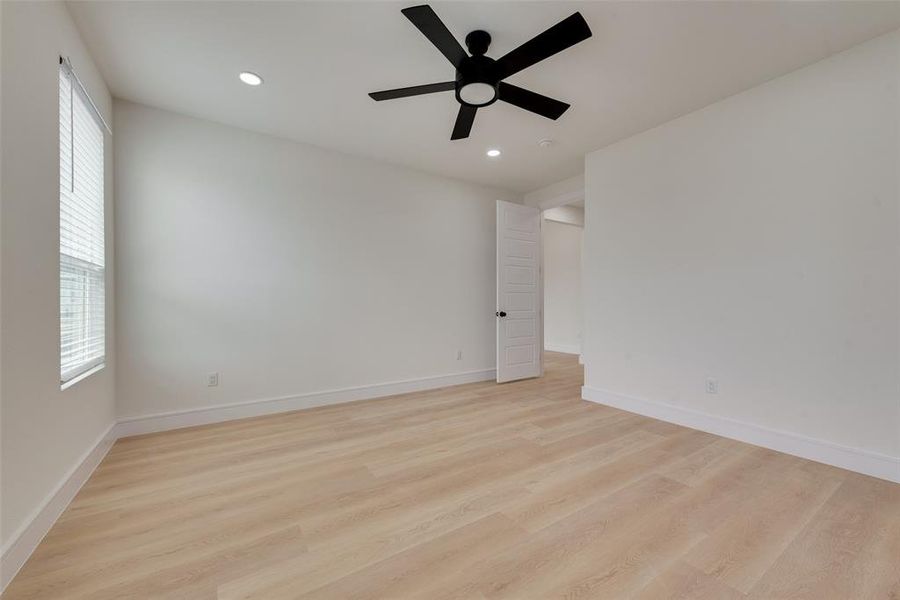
{"x":480,"y":491}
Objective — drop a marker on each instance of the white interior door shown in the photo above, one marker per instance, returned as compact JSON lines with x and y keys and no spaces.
{"x":520,"y":330}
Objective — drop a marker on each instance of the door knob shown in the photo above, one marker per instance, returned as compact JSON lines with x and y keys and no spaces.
{"x":501,"y":313}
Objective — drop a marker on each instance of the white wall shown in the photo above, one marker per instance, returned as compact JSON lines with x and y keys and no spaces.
{"x":45,"y":431}
{"x":562,"y":287}
{"x":756,"y":241}
{"x":288,"y":269}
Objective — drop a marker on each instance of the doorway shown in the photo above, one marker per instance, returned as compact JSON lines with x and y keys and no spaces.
{"x":563,"y":235}
{"x":538,"y":306}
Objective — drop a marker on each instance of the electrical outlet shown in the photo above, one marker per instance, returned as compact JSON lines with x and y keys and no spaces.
{"x":212,"y":379}
{"x":712,"y":386}
{"x":459,"y":355}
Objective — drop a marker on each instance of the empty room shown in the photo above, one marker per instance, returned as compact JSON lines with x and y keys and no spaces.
{"x":490,"y":300}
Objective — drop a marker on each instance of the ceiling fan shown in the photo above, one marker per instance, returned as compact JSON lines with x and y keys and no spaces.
{"x":479,"y":78}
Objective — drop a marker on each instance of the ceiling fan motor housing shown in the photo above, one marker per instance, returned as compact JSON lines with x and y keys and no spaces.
{"x":477,"y":73}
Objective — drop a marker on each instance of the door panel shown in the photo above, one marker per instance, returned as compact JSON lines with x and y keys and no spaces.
{"x":519,"y":292}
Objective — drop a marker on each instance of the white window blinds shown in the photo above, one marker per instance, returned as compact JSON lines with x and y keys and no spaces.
{"x":81,"y":232}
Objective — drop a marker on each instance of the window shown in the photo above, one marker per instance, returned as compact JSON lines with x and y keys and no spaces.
{"x":82,"y":313}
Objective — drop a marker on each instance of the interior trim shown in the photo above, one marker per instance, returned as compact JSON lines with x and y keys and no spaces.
{"x":137,"y":425}
{"x":24,"y":541}
{"x":844,"y":457}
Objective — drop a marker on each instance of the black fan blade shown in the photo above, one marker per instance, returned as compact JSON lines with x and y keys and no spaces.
{"x":416,"y":90}
{"x":564,"y":34}
{"x":536,"y":103}
{"x":464,"y":120}
{"x":437,"y":33}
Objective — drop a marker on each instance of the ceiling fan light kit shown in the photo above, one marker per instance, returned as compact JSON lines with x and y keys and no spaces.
{"x":479,"y":78}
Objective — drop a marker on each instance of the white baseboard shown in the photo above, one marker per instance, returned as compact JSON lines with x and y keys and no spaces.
{"x":23,"y":542}
{"x":564,"y":348}
{"x":845,"y":457}
{"x":128,"y":426}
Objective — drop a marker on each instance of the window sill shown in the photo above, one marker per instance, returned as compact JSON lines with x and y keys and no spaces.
{"x":67,"y":384}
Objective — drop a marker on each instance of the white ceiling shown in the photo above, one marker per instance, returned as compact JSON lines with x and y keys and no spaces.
{"x":647,"y":63}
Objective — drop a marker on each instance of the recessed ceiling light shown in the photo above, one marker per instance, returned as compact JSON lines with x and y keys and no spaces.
{"x":250,"y":78}
{"x":493,"y":153}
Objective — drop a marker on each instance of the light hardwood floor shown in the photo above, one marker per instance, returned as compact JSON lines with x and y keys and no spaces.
{"x":480,"y":491}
